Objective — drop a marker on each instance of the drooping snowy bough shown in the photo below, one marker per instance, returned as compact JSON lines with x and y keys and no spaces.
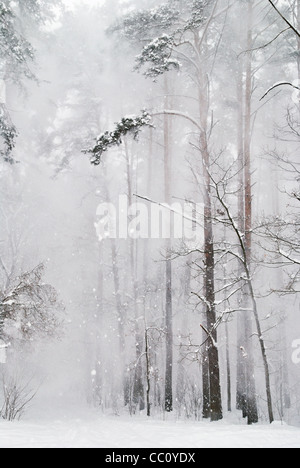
{"x":128,"y":125}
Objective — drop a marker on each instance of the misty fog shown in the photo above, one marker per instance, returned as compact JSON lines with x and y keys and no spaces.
{"x":122,"y":121}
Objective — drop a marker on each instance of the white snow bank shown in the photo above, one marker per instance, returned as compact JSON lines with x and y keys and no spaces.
{"x":122,"y":432}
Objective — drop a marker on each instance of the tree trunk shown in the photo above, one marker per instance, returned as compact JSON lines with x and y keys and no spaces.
{"x":169,"y":299}
{"x":138,"y":396}
{"x":241,"y":399}
{"x":215,"y":399}
{"x":251,"y":401}
{"x":251,"y":404}
{"x":98,"y":378}
{"x":285,"y":379}
{"x":205,"y":373}
{"x":145,"y":281}
{"x":148,"y":370}
{"x":298,"y":38}
{"x":226,"y":303}
{"x":181,"y":375}
{"x":264,"y":353}
{"x":228,"y":370}
{"x":209,"y":286}
{"x":120,"y":312}
{"x":121,"y":321}
{"x":213,"y":353}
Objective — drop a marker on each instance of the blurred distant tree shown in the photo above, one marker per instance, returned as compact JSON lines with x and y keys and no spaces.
{"x":29,"y":308}
{"x":17,"y":56}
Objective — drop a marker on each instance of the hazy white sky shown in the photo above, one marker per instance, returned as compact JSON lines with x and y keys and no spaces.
{"x":90,"y":2}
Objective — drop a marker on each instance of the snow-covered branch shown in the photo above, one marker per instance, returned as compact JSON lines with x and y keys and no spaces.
{"x":277,"y":85}
{"x":131,"y":125}
{"x":128,"y":125}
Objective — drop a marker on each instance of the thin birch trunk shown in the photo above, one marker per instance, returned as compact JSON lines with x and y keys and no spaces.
{"x":169,"y":298}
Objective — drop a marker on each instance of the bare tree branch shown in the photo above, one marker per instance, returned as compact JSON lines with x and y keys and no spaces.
{"x":291,"y":26}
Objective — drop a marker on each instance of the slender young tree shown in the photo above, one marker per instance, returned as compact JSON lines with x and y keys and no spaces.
{"x":138,"y":396}
{"x":251,"y":403}
{"x":241,"y":397}
{"x":169,"y":294}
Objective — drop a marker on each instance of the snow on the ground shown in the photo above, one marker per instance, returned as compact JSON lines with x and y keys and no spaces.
{"x":123,"y":432}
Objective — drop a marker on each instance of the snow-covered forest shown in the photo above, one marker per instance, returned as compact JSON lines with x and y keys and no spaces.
{"x":149,"y":235}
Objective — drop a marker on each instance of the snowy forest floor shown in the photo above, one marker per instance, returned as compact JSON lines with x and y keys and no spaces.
{"x":90,"y":430}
